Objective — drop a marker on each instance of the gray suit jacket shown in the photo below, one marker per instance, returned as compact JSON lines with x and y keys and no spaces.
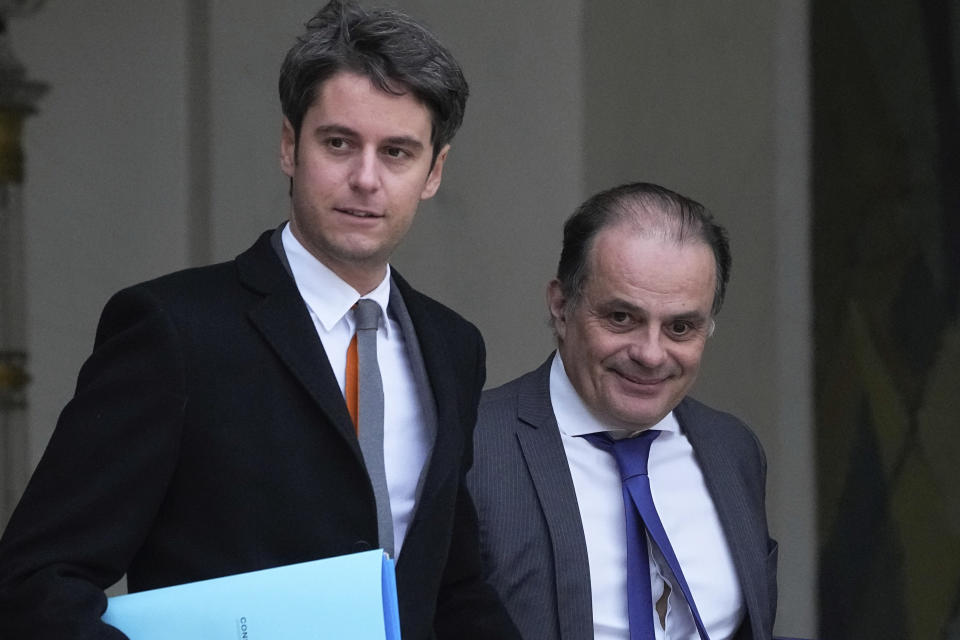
{"x":531,"y":535}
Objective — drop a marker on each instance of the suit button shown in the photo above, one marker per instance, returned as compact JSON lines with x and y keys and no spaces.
{"x":362,"y":545}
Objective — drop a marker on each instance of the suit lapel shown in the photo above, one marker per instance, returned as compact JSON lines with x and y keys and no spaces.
{"x":426,"y":352}
{"x":421,"y":381}
{"x":726,"y":487}
{"x":546,"y":460}
{"x":283,"y":320}
{"x":441,"y":393}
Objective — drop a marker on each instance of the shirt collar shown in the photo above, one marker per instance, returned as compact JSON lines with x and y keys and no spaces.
{"x":327,"y":295}
{"x":575,"y":418}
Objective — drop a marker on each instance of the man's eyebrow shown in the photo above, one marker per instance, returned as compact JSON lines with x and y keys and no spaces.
{"x":338,"y":129}
{"x":620,"y":304}
{"x":408,"y":142}
{"x":691,"y":316}
{"x":405,"y":141}
{"x":625,"y":305}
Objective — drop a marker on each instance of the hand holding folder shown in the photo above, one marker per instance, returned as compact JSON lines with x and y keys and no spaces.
{"x":352,"y":596}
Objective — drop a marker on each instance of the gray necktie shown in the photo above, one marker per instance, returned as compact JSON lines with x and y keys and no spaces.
{"x":370,"y":414}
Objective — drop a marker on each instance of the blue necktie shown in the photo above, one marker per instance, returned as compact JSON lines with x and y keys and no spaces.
{"x":631,"y":455}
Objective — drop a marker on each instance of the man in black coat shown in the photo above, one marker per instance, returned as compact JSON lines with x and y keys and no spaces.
{"x":209,"y":434}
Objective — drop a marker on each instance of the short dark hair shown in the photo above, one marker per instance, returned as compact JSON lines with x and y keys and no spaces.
{"x":667,"y":212}
{"x":397,"y":54}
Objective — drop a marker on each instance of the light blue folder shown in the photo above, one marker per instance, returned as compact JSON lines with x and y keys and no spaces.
{"x":352,"y":596}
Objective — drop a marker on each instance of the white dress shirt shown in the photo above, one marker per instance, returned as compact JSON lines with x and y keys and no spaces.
{"x":406,"y":442}
{"x":684,"y":506}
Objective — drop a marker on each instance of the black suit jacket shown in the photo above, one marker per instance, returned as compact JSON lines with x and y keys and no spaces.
{"x":531,"y":534}
{"x":208,"y":436}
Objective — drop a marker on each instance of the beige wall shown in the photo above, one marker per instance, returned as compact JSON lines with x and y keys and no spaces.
{"x":157,"y":148}
{"x":104,"y":199}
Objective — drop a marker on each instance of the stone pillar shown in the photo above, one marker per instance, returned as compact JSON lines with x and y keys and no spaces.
{"x":18,"y":97}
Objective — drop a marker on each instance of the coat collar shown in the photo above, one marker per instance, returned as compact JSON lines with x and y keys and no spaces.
{"x":282,"y":318}
{"x":743,"y":527}
{"x":444,"y":387}
{"x":546,"y":460}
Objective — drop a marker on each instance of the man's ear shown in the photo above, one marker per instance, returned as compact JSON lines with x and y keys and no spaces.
{"x":435,"y":175}
{"x":288,"y":148}
{"x":557,"y":303}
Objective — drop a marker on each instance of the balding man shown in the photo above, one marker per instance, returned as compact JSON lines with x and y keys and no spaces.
{"x":611,"y":504}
